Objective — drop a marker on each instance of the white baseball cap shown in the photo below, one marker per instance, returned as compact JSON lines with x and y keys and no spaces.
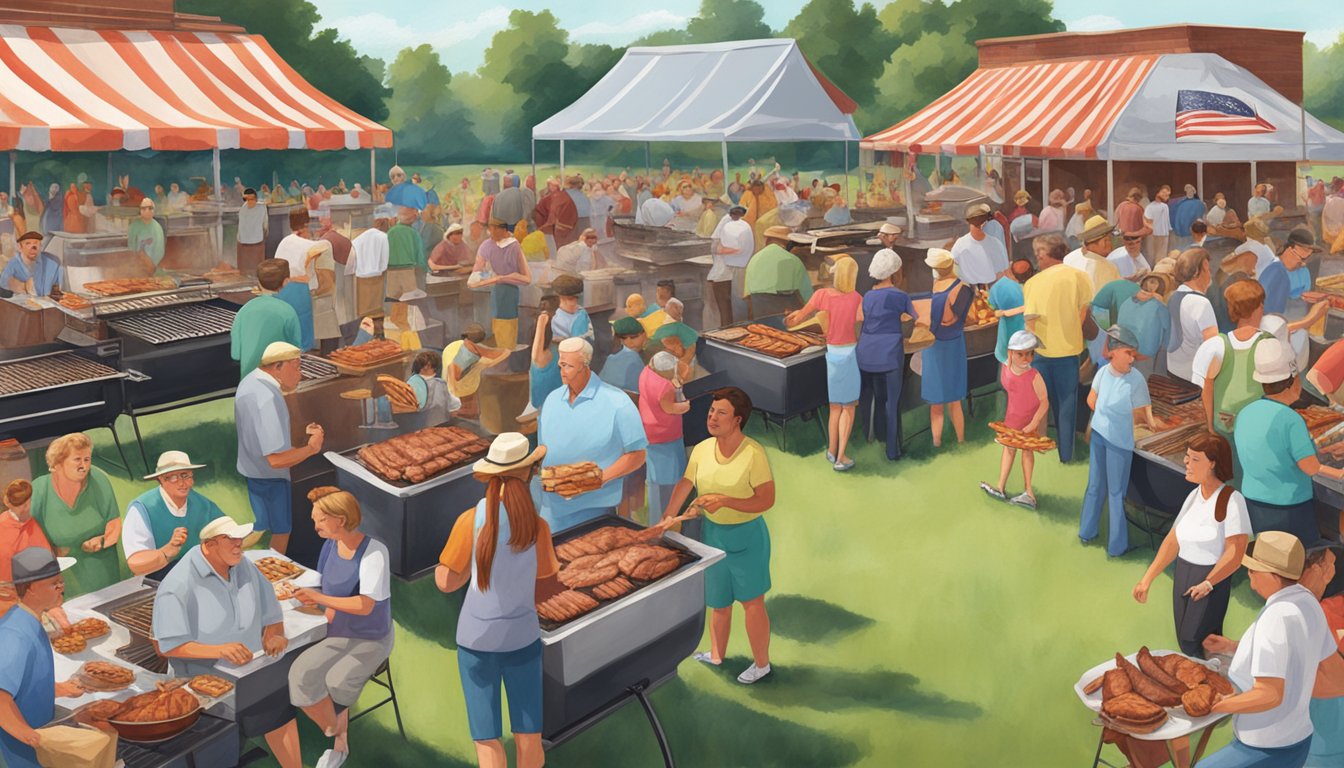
{"x":225,"y":526}
{"x":1274,"y":362}
{"x":1023,"y":341}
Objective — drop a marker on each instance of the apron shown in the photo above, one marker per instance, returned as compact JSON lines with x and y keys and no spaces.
{"x":1235,"y":386}
{"x":340,"y":578}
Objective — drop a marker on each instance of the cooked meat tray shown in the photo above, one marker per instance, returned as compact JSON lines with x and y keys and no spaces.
{"x":189,"y":321}
{"x":48,"y":371}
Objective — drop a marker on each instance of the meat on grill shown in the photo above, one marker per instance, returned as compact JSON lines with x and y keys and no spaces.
{"x":366,"y":354}
{"x":575,"y":578}
{"x":613,"y":589}
{"x":598,"y":542}
{"x":646,"y":563}
{"x":417,"y":456}
{"x":565,"y":606}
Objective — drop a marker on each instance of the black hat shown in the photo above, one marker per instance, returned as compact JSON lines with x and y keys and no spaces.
{"x":30,"y":235}
{"x":1299,"y":236}
{"x":37,"y":563}
{"x":738,"y":209}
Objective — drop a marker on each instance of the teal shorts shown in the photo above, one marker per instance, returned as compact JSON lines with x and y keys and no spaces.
{"x":745,"y":573}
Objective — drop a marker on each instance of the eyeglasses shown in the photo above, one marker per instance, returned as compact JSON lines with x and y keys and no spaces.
{"x":177,"y":477}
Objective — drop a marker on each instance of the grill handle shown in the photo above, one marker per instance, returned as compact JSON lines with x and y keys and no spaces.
{"x":136,"y":377}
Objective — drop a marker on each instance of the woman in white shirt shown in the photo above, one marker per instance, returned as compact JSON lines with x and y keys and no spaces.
{"x":1206,"y":542}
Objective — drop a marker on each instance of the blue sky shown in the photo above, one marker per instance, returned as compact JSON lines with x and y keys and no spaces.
{"x":460,"y":31}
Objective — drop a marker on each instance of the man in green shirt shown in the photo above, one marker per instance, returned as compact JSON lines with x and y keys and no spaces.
{"x":144,"y":236}
{"x":264,"y":319}
{"x":776,"y":281}
{"x":406,"y":254}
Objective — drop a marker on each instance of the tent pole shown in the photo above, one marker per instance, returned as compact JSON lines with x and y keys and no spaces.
{"x":1110,"y":190}
{"x":373,"y":171}
{"x":847,"y":197}
{"x":219,"y":211}
{"x":1045,"y":181}
{"x":562,"y":163}
{"x":13,"y":158}
{"x":111,"y":180}
{"x":908,"y":159}
{"x":648,"y":163}
{"x":534,"y":163}
{"x":1199,"y":179}
{"x":724,"y":144}
{"x":1253,"y":177}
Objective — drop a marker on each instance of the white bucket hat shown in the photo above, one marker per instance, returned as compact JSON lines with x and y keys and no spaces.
{"x":1023,"y":341}
{"x":172,"y":461}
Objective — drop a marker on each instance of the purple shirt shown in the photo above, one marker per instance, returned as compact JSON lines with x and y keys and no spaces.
{"x":503,"y":260}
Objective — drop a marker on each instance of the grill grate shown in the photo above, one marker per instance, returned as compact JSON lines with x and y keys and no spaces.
{"x":163,"y":326}
{"x":314,"y":368}
{"x":139,"y":303}
{"x":142,"y":654}
{"x":204,"y":731}
{"x":49,"y":371}
{"x":137,"y":616}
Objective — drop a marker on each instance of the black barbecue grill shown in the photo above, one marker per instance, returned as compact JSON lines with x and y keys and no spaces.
{"x":177,"y":353}
{"x":51,"y":390}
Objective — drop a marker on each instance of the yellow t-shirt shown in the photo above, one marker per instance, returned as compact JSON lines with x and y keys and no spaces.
{"x":1056,"y":297}
{"x":736,"y":476}
{"x":653,"y":321}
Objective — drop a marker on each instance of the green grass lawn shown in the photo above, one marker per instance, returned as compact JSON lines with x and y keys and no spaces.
{"x":916,"y":622}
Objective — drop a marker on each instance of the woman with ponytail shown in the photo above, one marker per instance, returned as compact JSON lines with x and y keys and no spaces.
{"x":503,"y":548}
{"x":356,"y":595}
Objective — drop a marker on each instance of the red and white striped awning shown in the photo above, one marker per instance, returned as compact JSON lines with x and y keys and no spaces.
{"x":85,"y":90}
{"x":1049,"y":109}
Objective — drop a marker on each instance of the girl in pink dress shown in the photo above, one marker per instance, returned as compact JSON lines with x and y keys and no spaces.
{"x":1027,"y":408}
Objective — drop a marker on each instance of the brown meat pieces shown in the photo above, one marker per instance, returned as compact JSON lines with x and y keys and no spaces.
{"x":1154,"y":670}
{"x":568,"y":480}
{"x":598,"y":542}
{"x":158,"y":706}
{"x":1114,"y":683}
{"x":647,"y":563}
{"x":1198,"y":701}
{"x":587,"y":577}
{"x":417,"y":456}
{"x":1146,"y":686}
{"x":1134,"y":713}
{"x":613,"y":589}
{"x":565,"y":606}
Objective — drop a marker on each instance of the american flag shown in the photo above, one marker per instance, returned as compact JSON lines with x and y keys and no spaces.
{"x":1201,"y":113}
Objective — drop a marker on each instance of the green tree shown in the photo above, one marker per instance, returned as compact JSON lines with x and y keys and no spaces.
{"x":907,"y":20}
{"x":1323,"y":81}
{"x":328,"y":62}
{"x":430,"y":126}
{"x":717,"y":21}
{"x":847,"y":44}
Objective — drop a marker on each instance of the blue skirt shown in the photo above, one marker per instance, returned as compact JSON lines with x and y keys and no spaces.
{"x":943,"y":378}
{"x":666,"y":462}
{"x":842,"y":374}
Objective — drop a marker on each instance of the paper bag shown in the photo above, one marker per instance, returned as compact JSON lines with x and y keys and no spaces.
{"x":64,"y":746}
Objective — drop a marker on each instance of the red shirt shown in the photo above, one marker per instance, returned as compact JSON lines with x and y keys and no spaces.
{"x":844,"y":312}
{"x":1334,"y":616}
{"x":16,"y":537}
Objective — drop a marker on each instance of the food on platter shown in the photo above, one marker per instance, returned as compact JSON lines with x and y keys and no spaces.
{"x":366,"y":354}
{"x":101,"y":710}
{"x":565,"y":606}
{"x":569,"y":480}
{"x":277,"y":569}
{"x":74,"y":301}
{"x":980,"y":313}
{"x":105,"y":676}
{"x":1154,"y":670}
{"x":157,"y":706}
{"x":417,"y":456}
{"x":1220,"y":685}
{"x":647,"y":563}
{"x":771,"y":341}
{"x":1320,"y":419}
{"x":90,"y":628}
{"x":210,"y":685}
{"x":1171,"y":390}
{"x":1179,"y":415}
{"x":69,"y":643}
{"x":1114,"y":683}
{"x":1022,"y":441}
{"x":222,"y":272}
{"x":1146,"y":686}
{"x":1198,"y":701}
{"x":1331,"y":281}
{"x":1173,"y":441}
{"x":1133,"y":713}
{"x":613,"y":589}
{"x":284,"y":590}
{"x":123,"y":286}
{"x":399,"y":394}
{"x":598,"y":542}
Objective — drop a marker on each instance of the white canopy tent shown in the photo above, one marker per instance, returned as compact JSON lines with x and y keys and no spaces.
{"x":748,"y":90}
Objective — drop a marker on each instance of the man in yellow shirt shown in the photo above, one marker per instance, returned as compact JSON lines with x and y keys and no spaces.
{"x":758,"y":201}
{"x":1057,"y":300}
{"x":731,"y":475}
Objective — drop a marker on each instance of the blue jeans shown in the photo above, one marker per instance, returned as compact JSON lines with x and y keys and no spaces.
{"x":1061,"y":387}
{"x":880,"y":401}
{"x":484,"y":673}
{"x":1239,"y":755}
{"x":1107,"y":480}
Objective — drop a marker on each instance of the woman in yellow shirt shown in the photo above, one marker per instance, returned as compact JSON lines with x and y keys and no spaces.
{"x":731,"y":475}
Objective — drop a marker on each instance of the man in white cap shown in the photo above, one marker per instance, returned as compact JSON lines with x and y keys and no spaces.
{"x":580,"y":255}
{"x":265,"y":452}
{"x":215,"y":606}
{"x":588,"y":420}
{"x":1285,"y":656}
{"x":453,"y":254}
{"x":165,"y":521}
{"x":980,"y":259}
{"x":28,"y":687}
{"x":1091,"y":258}
{"x":888,"y":234}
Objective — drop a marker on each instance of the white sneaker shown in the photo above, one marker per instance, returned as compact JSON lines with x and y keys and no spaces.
{"x":753,"y":673}
{"x":706,"y":658}
{"x":332,"y":759}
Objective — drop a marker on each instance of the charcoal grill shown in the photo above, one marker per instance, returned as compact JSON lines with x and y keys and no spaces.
{"x":135,"y":612}
{"x":627,"y":647}
{"x":52,"y":390}
{"x":314,"y":369}
{"x":177,"y":355}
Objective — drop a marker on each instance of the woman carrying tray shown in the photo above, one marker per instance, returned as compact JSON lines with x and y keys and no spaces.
{"x":356,"y":594}
{"x":1206,"y":542}
{"x":503,"y":553}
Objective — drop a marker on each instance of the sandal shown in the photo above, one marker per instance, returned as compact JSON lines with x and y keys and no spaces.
{"x":1023,"y":500}
{"x":993,"y":492}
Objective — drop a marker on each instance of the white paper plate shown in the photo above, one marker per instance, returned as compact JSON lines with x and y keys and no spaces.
{"x":1178,"y":723}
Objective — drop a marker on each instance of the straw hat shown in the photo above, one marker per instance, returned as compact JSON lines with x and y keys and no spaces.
{"x":1257,"y":229}
{"x":939,"y":258}
{"x":226,"y":526}
{"x":889,"y":229}
{"x":508,"y":451}
{"x":1096,"y":228}
{"x":172,"y":461}
{"x":279,"y":352}
{"x":1276,"y":552}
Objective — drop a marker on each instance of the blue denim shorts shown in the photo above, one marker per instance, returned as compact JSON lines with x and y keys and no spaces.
{"x":271,"y":504}
{"x":482,"y":674}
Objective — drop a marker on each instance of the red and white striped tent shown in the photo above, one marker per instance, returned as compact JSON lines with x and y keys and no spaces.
{"x":1108,"y":108}
{"x":99,"y":90}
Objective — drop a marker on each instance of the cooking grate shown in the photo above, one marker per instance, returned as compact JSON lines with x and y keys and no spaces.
{"x":191,"y":321}
{"x":314,"y":368}
{"x":142,"y":654}
{"x":137,"y":616}
{"x":56,"y":370}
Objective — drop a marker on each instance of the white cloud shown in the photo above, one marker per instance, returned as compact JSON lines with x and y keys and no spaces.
{"x":460,"y":44}
{"x":1094,"y":23}
{"x":650,"y":21}
{"x":1324,"y":38}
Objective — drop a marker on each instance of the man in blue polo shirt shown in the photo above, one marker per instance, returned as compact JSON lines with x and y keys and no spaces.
{"x":588,"y":420}
{"x":28,"y":687}
{"x":31,"y":271}
{"x":1276,"y":277}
